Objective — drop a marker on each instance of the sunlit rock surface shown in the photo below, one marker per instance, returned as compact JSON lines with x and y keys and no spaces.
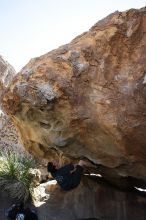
{"x":7,"y":73}
{"x":88,"y":98}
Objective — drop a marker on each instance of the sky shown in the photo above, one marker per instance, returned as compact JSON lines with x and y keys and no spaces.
{"x":30,"y":28}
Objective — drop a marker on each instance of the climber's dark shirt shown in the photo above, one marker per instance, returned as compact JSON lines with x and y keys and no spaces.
{"x":66,"y":179}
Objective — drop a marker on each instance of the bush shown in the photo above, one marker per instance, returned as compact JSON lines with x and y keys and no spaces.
{"x":14,"y":174}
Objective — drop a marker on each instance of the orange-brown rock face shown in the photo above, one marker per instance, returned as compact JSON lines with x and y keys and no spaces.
{"x":88,"y":98}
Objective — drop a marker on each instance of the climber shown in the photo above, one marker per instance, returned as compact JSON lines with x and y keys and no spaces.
{"x":68,"y":176}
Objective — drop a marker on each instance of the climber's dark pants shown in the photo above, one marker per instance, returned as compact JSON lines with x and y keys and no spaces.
{"x":77,"y":175}
{"x":68,"y":179}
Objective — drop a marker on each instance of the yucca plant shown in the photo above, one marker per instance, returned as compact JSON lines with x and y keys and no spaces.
{"x":14,"y":174}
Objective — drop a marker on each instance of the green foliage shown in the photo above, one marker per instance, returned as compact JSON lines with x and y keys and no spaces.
{"x":14,"y":174}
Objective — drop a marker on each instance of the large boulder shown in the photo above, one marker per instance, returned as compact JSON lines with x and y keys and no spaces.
{"x":88,"y":98}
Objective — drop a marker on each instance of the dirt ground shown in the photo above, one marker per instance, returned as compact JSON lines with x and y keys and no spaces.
{"x":5,"y":202}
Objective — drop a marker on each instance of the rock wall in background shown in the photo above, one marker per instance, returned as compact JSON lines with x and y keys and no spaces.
{"x":7,"y":73}
{"x":8,"y":134}
{"x":88,"y":98}
{"x":9,"y":138}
